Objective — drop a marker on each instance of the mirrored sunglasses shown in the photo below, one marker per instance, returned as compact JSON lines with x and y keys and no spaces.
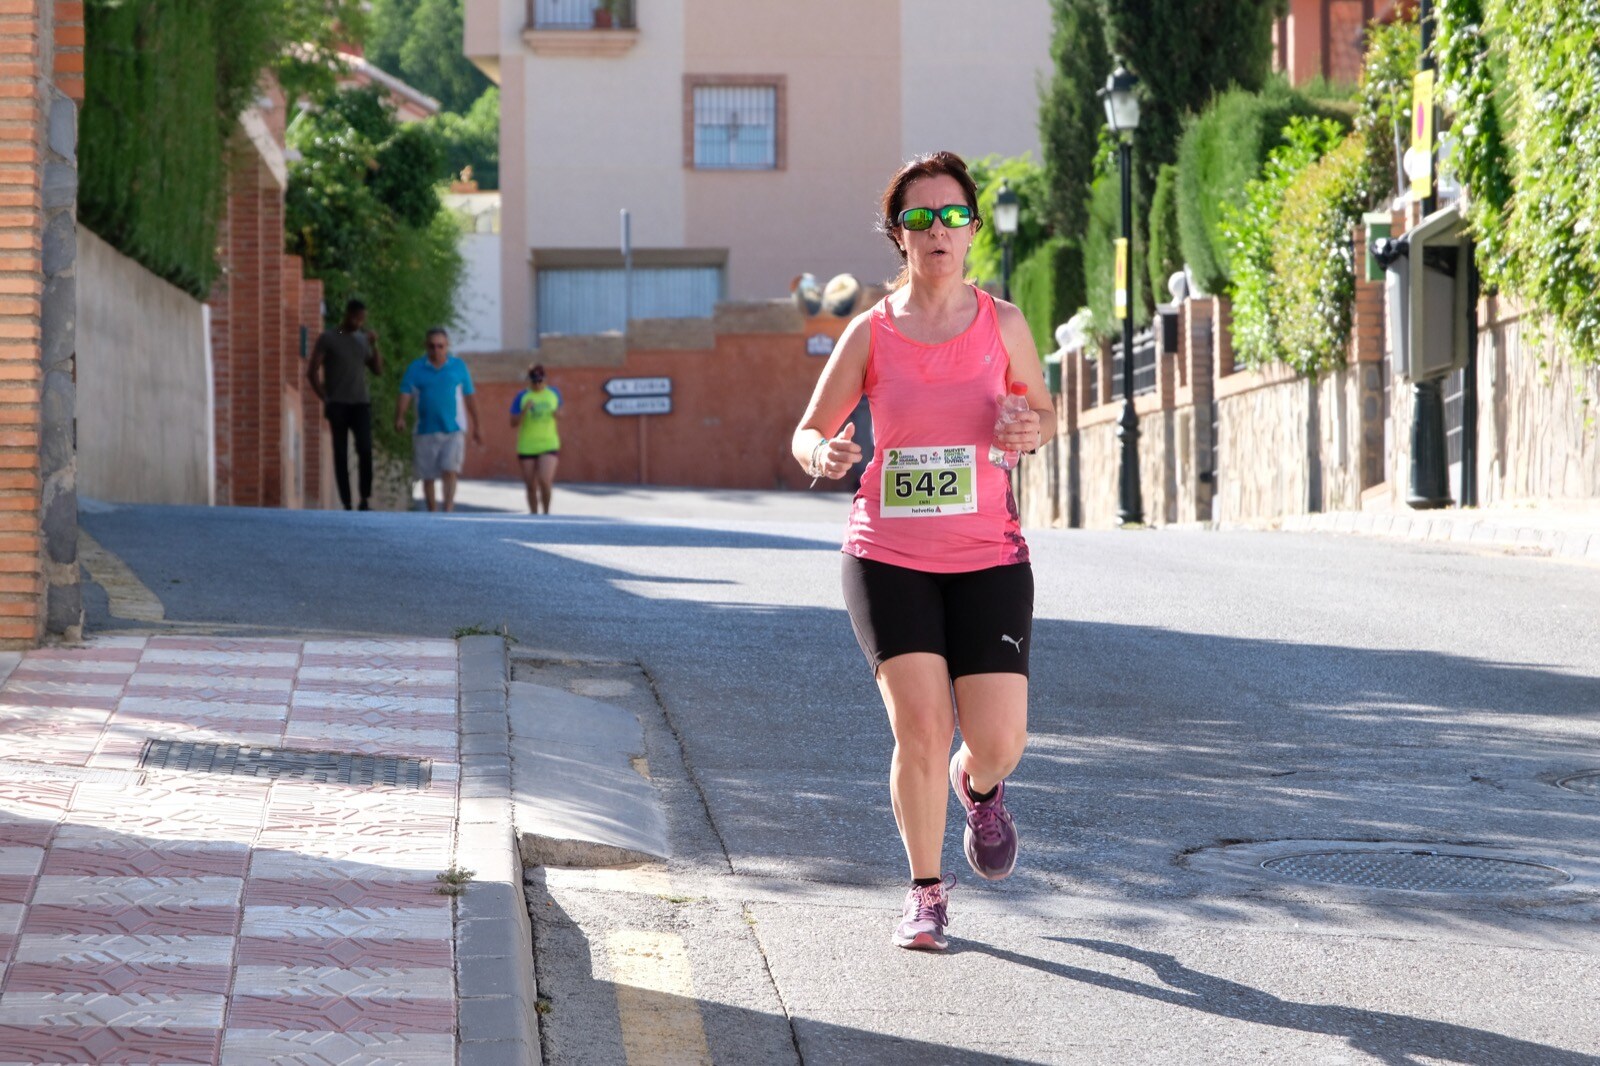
{"x":954,"y":216}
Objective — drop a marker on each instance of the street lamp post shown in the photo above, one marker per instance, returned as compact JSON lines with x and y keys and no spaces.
{"x":1006,"y":211}
{"x":1122,"y":115}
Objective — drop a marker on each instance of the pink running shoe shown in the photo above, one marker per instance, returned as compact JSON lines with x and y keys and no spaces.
{"x":991,"y":838}
{"x":925,"y":916}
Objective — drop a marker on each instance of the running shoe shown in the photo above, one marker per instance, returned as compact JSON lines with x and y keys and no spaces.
{"x":925,"y":916}
{"x":991,"y":838}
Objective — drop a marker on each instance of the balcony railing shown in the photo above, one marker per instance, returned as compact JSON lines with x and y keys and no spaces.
{"x":580,"y":14}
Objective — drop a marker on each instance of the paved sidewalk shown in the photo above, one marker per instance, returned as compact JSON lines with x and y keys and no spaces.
{"x":182,"y":916}
{"x":1568,"y":534}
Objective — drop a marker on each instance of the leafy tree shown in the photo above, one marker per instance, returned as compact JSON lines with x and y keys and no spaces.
{"x":1070,"y":114}
{"x":473,"y":139}
{"x":363,"y":210}
{"x":1028,"y":182}
{"x":419,"y":41}
{"x":1185,"y":52}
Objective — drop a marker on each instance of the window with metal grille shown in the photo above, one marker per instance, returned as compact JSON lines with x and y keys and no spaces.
{"x":589,"y":301}
{"x":736,"y":127}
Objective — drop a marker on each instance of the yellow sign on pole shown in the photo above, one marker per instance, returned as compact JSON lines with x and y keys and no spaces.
{"x":1422,"y":134}
{"x":1121,"y":299}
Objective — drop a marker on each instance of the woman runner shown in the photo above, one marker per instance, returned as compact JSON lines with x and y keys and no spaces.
{"x":936,"y":573}
{"x":533,"y":416}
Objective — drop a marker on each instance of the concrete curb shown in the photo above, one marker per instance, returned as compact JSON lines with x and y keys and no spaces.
{"x":498,"y":1022}
{"x":1455,"y":528}
{"x":578,"y":800}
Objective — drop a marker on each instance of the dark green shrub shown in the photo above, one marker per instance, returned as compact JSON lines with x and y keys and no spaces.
{"x":1165,"y":256}
{"x":1028,"y":182}
{"x":1223,"y":148}
{"x":1070,"y":114}
{"x":1048,"y":287}
{"x":1099,"y":256}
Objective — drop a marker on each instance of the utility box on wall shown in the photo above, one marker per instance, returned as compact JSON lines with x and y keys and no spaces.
{"x":1428,"y":289}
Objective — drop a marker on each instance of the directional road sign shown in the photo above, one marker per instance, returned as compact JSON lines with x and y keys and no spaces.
{"x":639,"y":387}
{"x":639,"y":405}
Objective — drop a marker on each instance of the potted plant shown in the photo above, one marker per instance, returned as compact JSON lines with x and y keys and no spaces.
{"x":602,"y":15}
{"x":613,"y":13}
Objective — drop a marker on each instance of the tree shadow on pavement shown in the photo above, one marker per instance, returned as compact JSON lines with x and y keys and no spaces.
{"x":1393,"y":1039}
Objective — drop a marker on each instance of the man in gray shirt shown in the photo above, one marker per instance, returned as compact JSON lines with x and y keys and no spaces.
{"x":340,"y":362}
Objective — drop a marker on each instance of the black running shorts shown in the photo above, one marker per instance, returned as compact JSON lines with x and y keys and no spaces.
{"x":980,"y":621}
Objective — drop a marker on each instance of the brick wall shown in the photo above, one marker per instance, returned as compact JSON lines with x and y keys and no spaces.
{"x":38,"y":190}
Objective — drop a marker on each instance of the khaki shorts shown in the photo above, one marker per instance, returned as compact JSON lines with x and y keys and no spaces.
{"x":435,"y":454}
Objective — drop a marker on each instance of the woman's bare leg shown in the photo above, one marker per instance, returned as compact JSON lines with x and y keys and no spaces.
{"x":916,"y":693}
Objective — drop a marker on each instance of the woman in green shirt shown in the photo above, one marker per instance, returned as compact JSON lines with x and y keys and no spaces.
{"x":533,"y":416}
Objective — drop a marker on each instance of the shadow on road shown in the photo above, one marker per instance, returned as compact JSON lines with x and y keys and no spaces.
{"x":1394,"y":1039}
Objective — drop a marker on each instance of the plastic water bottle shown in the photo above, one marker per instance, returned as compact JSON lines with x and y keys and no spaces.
{"x":1010,"y":407}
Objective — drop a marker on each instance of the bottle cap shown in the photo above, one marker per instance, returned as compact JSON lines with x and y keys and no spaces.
{"x":1019,"y":388}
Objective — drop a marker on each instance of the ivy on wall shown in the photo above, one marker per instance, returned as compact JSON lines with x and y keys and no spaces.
{"x":1522,"y":81}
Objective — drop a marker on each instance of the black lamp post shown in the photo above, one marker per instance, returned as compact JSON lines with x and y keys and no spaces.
{"x":1122,"y":115}
{"x":1005,"y":220}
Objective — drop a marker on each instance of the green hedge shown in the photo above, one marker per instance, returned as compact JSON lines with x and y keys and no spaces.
{"x":1222,"y":149}
{"x":1048,"y":288}
{"x":1165,"y":255}
{"x":164,"y":81}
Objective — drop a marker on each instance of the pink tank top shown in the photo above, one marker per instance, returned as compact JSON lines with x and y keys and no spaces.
{"x":933,"y":413}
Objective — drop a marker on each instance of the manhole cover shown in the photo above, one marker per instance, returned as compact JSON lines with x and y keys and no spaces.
{"x":322,"y":767}
{"x":1417,"y":871}
{"x":1588,"y":783}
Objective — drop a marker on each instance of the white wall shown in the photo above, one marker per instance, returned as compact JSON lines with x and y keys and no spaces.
{"x":478,"y":300}
{"x":969,"y":75}
{"x":145,"y":418}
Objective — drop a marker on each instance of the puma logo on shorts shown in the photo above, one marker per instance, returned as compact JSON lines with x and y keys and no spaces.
{"x":1014,"y":640}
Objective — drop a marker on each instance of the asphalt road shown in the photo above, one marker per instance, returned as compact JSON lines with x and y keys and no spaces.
{"x":1191,"y":691}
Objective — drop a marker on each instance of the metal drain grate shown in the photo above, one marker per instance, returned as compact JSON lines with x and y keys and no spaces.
{"x":322,"y":767}
{"x":1417,"y":871}
{"x":1587,"y":783}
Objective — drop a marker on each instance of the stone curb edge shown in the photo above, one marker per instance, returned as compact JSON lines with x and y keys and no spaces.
{"x":1452,"y":528}
{"x":495,"y":990}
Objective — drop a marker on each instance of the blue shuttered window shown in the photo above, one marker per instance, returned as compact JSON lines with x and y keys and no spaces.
{"x":582,"y":301}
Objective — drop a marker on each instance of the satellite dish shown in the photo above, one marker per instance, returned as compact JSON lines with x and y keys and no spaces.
{"x":841,"y":295}
{"x":807,"y":294}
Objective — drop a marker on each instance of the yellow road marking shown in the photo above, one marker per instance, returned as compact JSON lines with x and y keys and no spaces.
{"x":128,"y":595}
{"x":656,"y":1005}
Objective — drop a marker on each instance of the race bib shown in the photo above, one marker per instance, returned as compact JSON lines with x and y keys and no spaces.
{"x":923,"y":482}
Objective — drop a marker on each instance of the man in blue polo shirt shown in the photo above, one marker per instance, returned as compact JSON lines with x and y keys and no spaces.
{"x":443,"y":388}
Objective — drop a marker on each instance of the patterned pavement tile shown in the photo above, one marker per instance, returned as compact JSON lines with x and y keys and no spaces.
{"x":290,"y":1048}
{"x":372,"y":717}
{"x":367,"y":740}
{"x":15,"y":888}
{"x":395,"y":678}
{"x":274,"y":865}
{"x":159,"y":673}
{"x":379,"y":689}
{"x":338,"y":1014}
{"x":44,"y":800}
{"x":224,"y":644}
{"x":328,"y":922}
{"x":24,"y":834}
{"x":28,"y":690}
{"x":222,"y":810}
{"x":89,"y":950}
{"x":51,"y":920}
{"x":11,"y":915}
{"x":120,"y":978}
{"x":129,"y":1010}
{"x":104,"y":1047}
{"x":298,"y":797}
{"x":399,"y":854}
{"x":115,"y":892}
{"x":379,"y":662}
{"x":344,"y":953}
{"x":411,"y":649}
{"x":83,"y":851}
{"x":157,"y":655}
{"x":27,"y":704}
{"x":392,"y":703}
{"x":361,"y":982}
{"x":145,"y":709}
{"x":92,"y":671}
{"x":305,"y":892}
{"x":23,"y":861}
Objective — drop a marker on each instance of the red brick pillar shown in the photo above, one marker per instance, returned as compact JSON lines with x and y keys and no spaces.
{"x":1366,"y":358}
{"x":313,"y":429}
